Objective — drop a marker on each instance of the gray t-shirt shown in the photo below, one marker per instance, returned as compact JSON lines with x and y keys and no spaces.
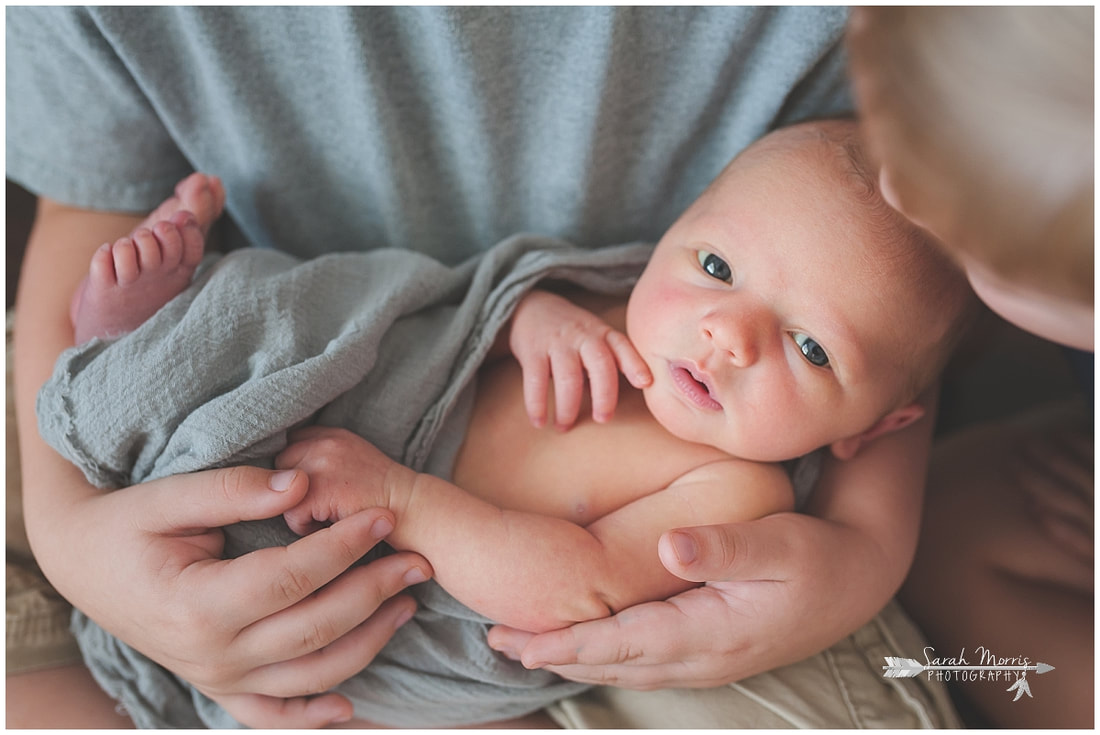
{"x":443,"y":130}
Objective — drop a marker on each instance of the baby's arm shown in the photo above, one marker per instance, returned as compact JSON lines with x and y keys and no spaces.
{"x":530,"y":571}
{"x":553,"y":337}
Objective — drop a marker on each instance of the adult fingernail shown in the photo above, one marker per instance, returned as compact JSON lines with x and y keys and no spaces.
{"x":684,"y":547}
{"x":415,"y":576}
{"x":509,"y":653}
{"x":381,"y":528}
{"x":336,"y":713}
{"x":403,"y":617}
{"x":281,"y":481}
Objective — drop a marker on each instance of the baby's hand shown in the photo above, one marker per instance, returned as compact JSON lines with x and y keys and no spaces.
{"x":551,"y":336}
{"x":346,"y":473}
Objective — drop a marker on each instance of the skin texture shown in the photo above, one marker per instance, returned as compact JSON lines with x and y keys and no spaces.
{"x":778,"y":232}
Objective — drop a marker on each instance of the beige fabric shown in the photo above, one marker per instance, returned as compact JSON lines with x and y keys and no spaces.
{"x":37,"y":617}
{"x":842,"y":687}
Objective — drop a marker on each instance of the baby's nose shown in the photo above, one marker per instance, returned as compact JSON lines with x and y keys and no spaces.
{"x":737,"y":336}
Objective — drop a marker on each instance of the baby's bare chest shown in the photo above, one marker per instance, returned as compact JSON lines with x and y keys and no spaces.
{"x":580,"y":474}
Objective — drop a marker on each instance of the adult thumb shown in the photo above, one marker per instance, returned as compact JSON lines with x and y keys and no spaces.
{"x":752,"y":550}
{"x":220,"y":497}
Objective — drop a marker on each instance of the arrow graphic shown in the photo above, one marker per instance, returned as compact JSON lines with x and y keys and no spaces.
{"x":1021,"y":688}
{"x":906,"y":668}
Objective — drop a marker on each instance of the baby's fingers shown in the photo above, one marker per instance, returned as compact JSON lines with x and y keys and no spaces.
{"x":536,"y":382}
{"x":603,"y":375}
{"x":630,"y":362}
{"x":568,"y":387}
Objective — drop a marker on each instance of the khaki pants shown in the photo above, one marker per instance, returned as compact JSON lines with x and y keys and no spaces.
{"x":37,"y":617}
{"x":841,"y":687}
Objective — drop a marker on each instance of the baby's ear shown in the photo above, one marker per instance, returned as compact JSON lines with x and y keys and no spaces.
{"x":893,"y":421}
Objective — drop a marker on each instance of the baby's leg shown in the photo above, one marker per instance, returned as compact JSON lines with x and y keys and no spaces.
{"x":129,"y":281}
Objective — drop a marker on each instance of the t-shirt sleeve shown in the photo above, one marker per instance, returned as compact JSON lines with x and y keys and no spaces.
{"x":79,"y":128}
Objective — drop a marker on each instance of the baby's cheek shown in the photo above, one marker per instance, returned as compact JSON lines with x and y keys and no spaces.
{"x":654,"y":302}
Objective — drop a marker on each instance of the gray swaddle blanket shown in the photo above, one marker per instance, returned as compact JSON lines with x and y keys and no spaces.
{"x":385,"y":344}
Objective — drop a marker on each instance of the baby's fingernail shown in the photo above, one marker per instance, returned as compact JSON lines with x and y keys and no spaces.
{"x":280,"y":481}
{"x":684,"y":547}
{"x":381,"y":528}
{"x":415,"y":576}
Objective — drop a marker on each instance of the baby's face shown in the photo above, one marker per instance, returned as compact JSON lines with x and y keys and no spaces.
{"x":769,"y":324}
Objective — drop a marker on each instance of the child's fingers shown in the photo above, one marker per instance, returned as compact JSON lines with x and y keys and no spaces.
{"x":1070,"y":534}
{"x":1057,"y":477}
{"x":630,"y":362}
{"x":568,"y":374}
{"x":603,"y":377}
{"x":536,"y":383}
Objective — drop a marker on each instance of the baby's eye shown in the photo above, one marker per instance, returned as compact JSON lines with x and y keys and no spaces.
{"x":715,"y":266}
{"x":812,"y":351}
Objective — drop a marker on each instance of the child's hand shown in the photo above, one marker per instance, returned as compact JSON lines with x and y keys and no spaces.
{"x":346,"y":473}
{"x":551,"y":336}
{"x":1055,"y":471}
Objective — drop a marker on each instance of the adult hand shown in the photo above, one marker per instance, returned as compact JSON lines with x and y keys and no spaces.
{"x":778,"y":589}
{"x":768,"y":579}
{"x":276,"y":623}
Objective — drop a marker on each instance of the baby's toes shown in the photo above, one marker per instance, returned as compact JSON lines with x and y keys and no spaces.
{"x":193,"y":186}
{"x":192,"y":237}
{"x":217,"y":189}
{"x":170,"y":242}
{"x":148,"y":250}
{"x":197,"y":194}
{"x":101,"y":271}
{"x":124,"y":253}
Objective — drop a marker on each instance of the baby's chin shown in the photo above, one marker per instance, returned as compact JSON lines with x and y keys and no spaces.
{"x":680,"y":426}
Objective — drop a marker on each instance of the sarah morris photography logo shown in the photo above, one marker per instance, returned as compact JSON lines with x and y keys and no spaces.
{"x":987,"y":666}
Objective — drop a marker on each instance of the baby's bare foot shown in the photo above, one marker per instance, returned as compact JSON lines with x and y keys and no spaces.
{"x":199,"y":194}
{"x":128,"y":281}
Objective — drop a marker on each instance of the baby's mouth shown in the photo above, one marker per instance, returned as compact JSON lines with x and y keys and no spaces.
{"x":694,"y":385}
